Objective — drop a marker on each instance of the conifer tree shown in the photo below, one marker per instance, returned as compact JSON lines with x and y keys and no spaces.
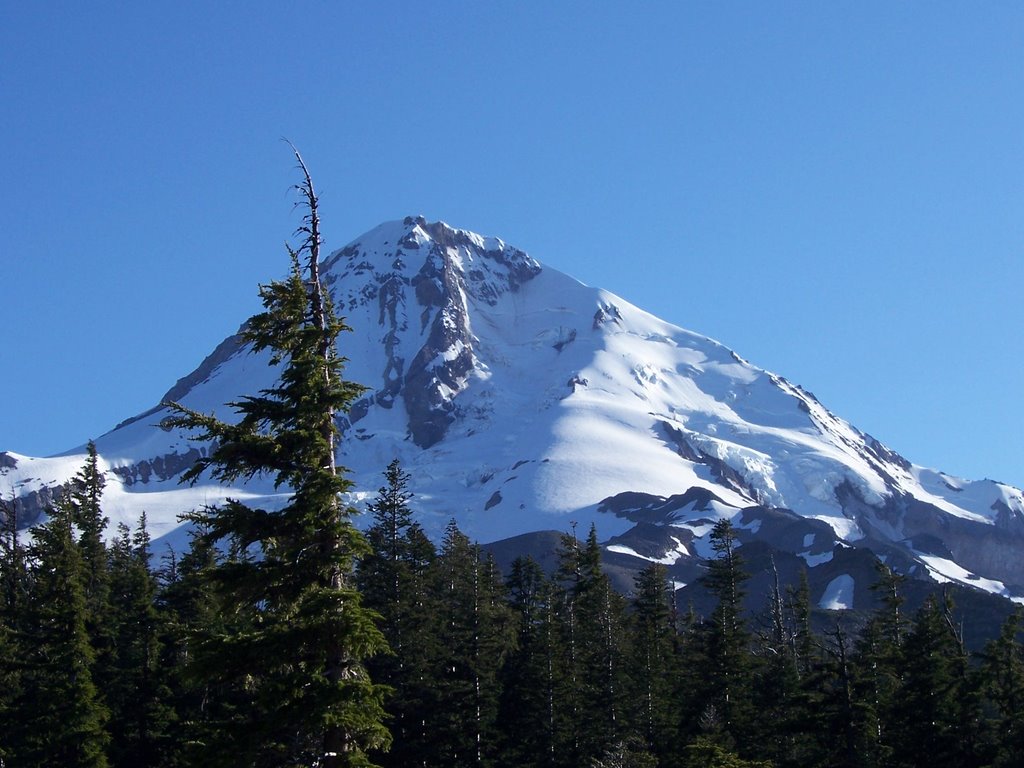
{"x":654,"y":662}
{"x":190,"y":613}
{"x":802,"y":637}
{"x":838,"y":719}
{"x":779,"y":701}
{"x":85,"y":493}
{"x":393,"y":580}
{"x":932,"y":691}
{"x":392,"y":574}
{"x":877,"y":668}
{"x":592,"y":688}
{"x":1003,"y":676}
{"x":300,"y":653}
{"x":13,"y":605}
{"x":727,"y":638}
{"x":61,"y":719}
{"x":137,"y":694}
{"x":527,"y":708}
{"x":13,"y":565}
{"x":10,"y":687}
{"x":476,"y":632}
{"x":570,"y":582}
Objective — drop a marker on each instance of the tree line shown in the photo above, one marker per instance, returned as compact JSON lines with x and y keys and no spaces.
{"x":113,"y":657}
{"x":287,"y":637}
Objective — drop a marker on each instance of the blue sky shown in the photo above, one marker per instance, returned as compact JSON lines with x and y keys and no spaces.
{"x":833,"y":190}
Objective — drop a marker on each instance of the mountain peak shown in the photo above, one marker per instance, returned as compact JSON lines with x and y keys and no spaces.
{"x":520,"y":399}
{"x":415,"y":244}
{"x":417,"y":283}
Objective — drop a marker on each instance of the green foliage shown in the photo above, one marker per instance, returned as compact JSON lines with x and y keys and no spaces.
{"x":1002,"y":675}
{"x":654,"y":661}
{"x":932,"y":705}
{"x":625,"y":754}
{"x":589,"y":713}
{"x":138,"y":695}
{"x":61,"y":719}
{"x":393,"y":578}
{"x":14,"y":601}
{"x":291,"y":657}
{"x":705,"y":753}
{"x":475,"y":633}
{"x":84,"y":495}
{"x":726,"y":639}
{"x":527,"y":706}
{"x":524,"y":673}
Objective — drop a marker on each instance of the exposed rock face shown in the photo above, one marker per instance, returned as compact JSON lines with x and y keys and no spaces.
{"x":646,"y":508}
{"x":438,"y":371}
{"x":978,"y":547}
{"x":34,"y":504}
{"x":456,"y":269}
{"x":160,"y":467}
{"x":725,"y":474}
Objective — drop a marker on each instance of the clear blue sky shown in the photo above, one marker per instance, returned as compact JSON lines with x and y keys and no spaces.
{"x":834,"y":190}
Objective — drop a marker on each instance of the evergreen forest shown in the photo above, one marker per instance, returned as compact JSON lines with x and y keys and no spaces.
{"x":116,"y":656}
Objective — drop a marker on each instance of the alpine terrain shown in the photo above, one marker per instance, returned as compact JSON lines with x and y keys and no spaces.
{"x":523,"y":402}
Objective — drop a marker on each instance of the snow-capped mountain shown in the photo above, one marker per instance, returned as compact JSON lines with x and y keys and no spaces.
{"x":522,"y":401}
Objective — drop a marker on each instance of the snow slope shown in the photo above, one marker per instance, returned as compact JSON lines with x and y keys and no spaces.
{"x":521,"y":400}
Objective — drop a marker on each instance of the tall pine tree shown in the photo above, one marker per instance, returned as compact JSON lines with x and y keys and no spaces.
{"x":591,"y":689}
{"x":301,"y":653}
{"x":527,"y":708}
{"x":654,"y":662}
{"x":1003,"y":676}
{"x":394,"y":582}
{"x":475,"y":633}
{"x":13,"y":604}
{"x":137,"y":694}
{"x":61,"y":719}
{"x":727,"y":638}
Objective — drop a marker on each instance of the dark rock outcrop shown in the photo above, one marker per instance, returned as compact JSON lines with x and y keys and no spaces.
{"x":158,"y":468}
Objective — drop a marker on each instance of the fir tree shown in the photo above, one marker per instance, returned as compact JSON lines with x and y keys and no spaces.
{"x":569,"y":694}
{"x":933,"y":690}
{"x":393,"y":580}
{"x":475,"y":633}
{"x":1003,"y":676}
{"x":838,"y":718}
{"x":779,"y":700}
{"x":61,"y":719}
{"x":85,"y":493}
{"x":300,"y":649}
{"x":191,"y":613}
{"x":593,"y":685}
{"x":654,"y":662}
{"x":527,"y":709}
{"x":13,"y":565}
{"x":13,"y":606}
{"x":877,"y":669}
{"x":138,"y":696}
{"x":726,"y":637}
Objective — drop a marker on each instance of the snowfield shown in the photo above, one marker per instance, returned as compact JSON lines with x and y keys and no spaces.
{"x":520,"y":399}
